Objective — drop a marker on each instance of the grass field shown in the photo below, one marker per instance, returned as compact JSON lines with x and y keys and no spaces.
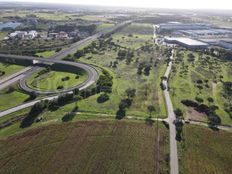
{"x":147,"y":87}
{"x":46,"y":54}
{"x":11,"y":99}
{"x":85,"y":147}
{"x":205,"y":151}
{"x":9,"y":69}
{"x":98,"y":18}
{"x":3,"y":35}
{"x":103,"y":26}
{"x":183,"y":83}
{"x":53,"y":79}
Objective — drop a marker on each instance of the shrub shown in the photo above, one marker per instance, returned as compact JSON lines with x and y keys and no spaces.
{"x":189,"y":103}
{"x":103,"y":98}
{"x":199,"y":99}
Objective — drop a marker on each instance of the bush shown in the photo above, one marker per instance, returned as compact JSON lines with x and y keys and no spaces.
{"x":200,"y":100}
{"x":199,"y":81}
{"x":189,"y":103}
{"x":210,"y":99}
{"x":178,"y":113}
{"x":65,"y":78}
{"x":105,"y":82}
{"x":60,"y":87}
{"x":103,"y":98}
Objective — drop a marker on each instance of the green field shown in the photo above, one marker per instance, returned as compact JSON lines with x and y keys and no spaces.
{"x":98,"y":18}
{"x":53,"y":79}
{"x":85,"y":147}
{"x":147,"y":87}
{"x":9,"y":69}
{"x":103,"y":26}
{"x":11,"y":99}
{"x":46,"y":54}
{"x":205,"y":151}
{"x":183,"y":83}
{"x":3,"y":35}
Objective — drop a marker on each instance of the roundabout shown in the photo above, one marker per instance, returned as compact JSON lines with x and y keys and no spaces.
{"x":80,"y":69}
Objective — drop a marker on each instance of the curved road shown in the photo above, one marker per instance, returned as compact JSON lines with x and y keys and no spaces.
{"x":60,"y":55}
{"x":92,"y":73}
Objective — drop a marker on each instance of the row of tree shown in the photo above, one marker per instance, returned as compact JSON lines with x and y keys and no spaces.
{"x":125,"y":103}
{"x":210,"y":111}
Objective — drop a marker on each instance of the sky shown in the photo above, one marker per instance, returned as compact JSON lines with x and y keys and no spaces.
{"x":189,"y":4}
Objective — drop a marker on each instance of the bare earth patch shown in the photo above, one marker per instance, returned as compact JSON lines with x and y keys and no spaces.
{"x":85,"y":147}
{"x":195,"y":115}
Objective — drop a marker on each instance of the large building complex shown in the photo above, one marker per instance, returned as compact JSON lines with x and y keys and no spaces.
{"x":193,"y":35}
{"x":186,"y":42}
{"x":173,"y":26}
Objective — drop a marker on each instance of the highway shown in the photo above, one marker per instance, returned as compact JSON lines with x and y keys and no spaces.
{"x":92,"y":73}
{"x":13,"y":78}
{"x":25,"y":105}
{"x":56,"y":59}
{"x":174,"y":166}
{"x":58,"y":56}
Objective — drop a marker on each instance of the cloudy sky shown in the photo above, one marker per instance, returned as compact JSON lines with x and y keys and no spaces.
{"x":190,"y":4}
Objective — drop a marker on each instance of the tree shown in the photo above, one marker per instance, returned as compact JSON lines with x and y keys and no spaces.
{"x":151,"y":109}
{"x":33,"y":95}
{"x":199,"y":99}
{"x":210,"y":100}
{"x":103,"y":98}
{"x":130,"y":93}
{"x":178,"y":113}
{"x":191,"y":57}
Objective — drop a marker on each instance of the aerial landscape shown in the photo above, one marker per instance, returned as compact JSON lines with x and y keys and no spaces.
{"x":115,"y":87}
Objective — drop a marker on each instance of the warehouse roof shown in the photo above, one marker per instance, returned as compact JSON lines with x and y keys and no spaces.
{"x":187,"y":41}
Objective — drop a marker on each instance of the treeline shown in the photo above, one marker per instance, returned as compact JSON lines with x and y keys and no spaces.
{"x":126,"y":54}
{"x":227,"y":94}
{"x":105,"y":82}
{"x":144,"y":67}
{"x":210,"y":111}
{"x":220,"y":53}
{"x":125,"y":103}
{"x":43,"y":105}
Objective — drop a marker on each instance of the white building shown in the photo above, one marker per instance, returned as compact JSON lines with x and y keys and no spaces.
{"x":23,"y":34}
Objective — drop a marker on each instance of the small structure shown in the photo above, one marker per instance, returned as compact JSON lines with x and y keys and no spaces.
{"x":52,"y":35}
{"x":62,"y":35}
{"x":187,"y":43}
{"x":31,"y":34}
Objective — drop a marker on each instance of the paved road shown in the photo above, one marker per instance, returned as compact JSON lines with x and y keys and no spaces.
{"x":61,"y":55}
{"x":171,"y":117}
{"x":25,"y":105}
{"x":13,"y":78}
{"x":92,"y":73}
{"x":58,"y":56}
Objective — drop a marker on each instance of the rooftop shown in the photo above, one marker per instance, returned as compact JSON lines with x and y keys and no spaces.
{"x":187,"y":41}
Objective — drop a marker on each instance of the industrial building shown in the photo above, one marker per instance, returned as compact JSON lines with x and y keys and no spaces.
{"x":193,"y":35}
{"x":225,"y":43}
{"x":207,"y":33}
{"x":173,"y":26}
{"x":186,"y":42}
